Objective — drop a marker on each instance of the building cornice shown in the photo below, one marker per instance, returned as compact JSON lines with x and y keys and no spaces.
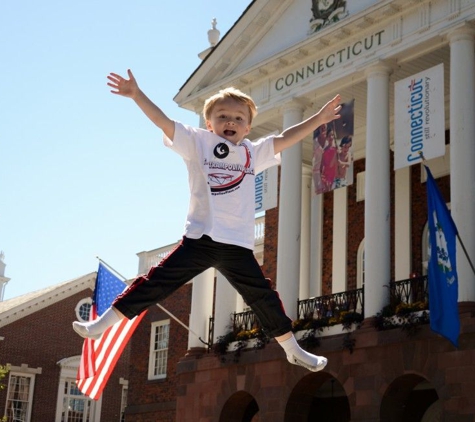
{"x":22,"y":306}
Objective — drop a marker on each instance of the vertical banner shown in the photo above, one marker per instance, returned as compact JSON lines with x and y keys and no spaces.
{"x":332,"y":163}
{"x":266,"y":189}
{"x":419,"y":117}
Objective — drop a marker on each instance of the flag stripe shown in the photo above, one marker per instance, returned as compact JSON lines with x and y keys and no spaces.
{"x":99,"y":357}
{"x":108,"y":352}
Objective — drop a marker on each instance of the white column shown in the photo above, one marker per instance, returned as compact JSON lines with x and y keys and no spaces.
{"x":340,"y":214}
{"x":402,"y":229}
{"x":304,"y":287}
{"x":201,"y":307}
{"x":240,"y":304}
{"x":316,"y":245}
{"x":224,"y":306}
{"x":377,"y":194}
{"x":288,"y":248}
{"x":462,"y":152}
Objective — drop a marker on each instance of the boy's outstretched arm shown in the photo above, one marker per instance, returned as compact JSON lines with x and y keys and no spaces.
{"x":129,"y":88}
{"x":296,"y":133}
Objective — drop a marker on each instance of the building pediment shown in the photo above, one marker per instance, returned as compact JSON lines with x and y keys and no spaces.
{"x":273,"y":54}
{"x":274,"y":35}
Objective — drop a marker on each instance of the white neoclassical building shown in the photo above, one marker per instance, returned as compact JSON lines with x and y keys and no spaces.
{"x":292,"y":57}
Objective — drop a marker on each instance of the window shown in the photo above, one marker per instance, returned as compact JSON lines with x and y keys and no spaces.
{"x":76,"y":406}
{"x":19,"y":397}
{"x":157,"y":366}
{"x":83,"y":309}
{"x":360,"y":266}
{"x":123,"y":400}
{"x":71,"y":404}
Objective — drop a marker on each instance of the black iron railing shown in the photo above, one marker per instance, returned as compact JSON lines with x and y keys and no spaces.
{"x":245,"y":321}
{"x":409,"y":291}
{"x":331,"y":306}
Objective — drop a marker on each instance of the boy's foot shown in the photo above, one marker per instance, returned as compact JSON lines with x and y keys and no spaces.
{"x":94,"y":329}
{"x":313,"y":363}
{"x":82,"y":330}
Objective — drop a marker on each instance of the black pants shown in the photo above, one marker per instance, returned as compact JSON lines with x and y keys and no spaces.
{"x":193,"y":256}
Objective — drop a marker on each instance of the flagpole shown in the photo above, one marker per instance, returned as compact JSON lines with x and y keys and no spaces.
{"x":160,"y":306}
{"x":457,"y":233}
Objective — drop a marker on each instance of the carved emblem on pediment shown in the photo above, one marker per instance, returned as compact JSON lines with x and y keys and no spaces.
{"x":326,"y":12}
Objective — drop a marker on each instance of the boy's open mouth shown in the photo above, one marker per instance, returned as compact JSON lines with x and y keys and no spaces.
{"x":228,"y":132}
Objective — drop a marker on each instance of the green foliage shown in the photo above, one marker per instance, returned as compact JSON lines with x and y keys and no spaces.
{"x":409,"y":317}
{"x":315,"y":326}
{"x":241,"y":339}
{"x":3,"y":373}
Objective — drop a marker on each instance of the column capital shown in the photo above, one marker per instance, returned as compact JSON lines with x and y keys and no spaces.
{"x":465,"y":32}
{"x":296,"y":104}
{"x":380,"y":67}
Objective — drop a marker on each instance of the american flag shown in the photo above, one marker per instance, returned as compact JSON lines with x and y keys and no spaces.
{"x":99,"y":357}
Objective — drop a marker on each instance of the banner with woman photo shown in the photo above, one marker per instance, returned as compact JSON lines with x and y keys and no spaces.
{"x":332,"y":152}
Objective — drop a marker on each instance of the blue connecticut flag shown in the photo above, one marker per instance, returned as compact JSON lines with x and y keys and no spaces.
{"x":443,"y":280}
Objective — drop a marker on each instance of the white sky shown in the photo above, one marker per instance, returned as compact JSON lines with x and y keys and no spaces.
{"x":83,"y":173}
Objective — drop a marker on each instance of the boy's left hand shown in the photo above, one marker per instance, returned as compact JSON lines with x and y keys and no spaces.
{"x":331,"y":109}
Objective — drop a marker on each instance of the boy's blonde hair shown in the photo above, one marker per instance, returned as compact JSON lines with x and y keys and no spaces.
{"x":236,"y":95}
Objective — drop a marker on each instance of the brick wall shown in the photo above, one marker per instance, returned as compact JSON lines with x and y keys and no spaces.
{"x":375,"y":378}
{"x":42,"y":339}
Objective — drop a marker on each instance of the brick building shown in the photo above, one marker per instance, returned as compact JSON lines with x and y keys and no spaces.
{"x":42,"y":353}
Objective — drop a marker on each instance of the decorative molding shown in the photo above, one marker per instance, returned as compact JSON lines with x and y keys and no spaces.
{"x":454,"y":7}
{"x":396,"y":33}
{"x":390,"y":10}
{"x":424,"y":17}
{"x":24,"y":368}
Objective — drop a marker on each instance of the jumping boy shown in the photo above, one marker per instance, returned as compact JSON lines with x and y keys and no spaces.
{"x":219,"y":231}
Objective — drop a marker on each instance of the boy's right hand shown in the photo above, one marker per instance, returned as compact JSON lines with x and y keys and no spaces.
{"x":121,"y":86}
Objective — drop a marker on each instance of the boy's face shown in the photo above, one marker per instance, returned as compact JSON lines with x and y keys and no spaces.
{"x":230,"y":120}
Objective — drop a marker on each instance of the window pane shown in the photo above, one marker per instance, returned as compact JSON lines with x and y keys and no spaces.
{"x":84,"y":311}
{"x":18,"y":398}
{"x":159,"y":350}
{"x":76,"y":406}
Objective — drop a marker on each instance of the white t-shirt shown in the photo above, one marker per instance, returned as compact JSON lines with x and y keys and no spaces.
{"x":221,"y":179}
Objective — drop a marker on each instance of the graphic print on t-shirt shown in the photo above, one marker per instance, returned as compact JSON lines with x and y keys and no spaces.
{"x":225,"y":175}
{"x":221,"y":151}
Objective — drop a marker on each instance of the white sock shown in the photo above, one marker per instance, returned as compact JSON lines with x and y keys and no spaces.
{"x":94,"y":329}
{"x":298,"y":356}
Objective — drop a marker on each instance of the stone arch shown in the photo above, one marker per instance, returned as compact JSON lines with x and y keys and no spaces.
{"x":240,"y":407}
{"x":318,"y":397}
{"x":408,"y":398}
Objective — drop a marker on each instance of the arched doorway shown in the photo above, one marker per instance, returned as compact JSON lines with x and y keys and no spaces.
{"x":408,"y":398}
{"x":240,"y":407}
{"x":318,"y":397}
